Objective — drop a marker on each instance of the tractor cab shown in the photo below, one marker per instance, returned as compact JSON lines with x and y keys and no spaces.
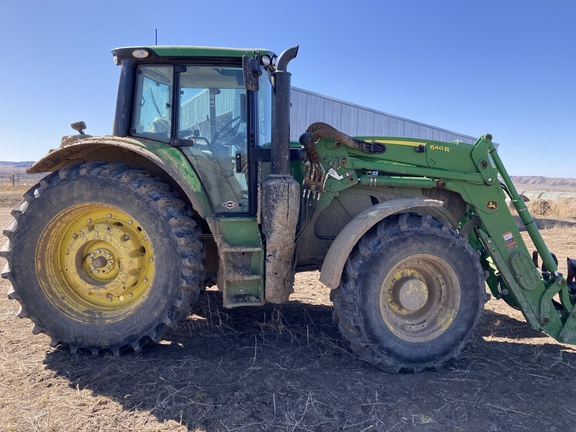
{"x":200,"y":104}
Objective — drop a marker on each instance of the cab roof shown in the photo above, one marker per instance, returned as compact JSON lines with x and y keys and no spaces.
{"x":167,"y":53}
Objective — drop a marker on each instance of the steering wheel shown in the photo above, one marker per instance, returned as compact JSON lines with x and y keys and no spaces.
{"x":227,"y":129}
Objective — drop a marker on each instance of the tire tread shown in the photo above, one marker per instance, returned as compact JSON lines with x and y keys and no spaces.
{"x":182,"y":227}
{"x":346,"y":297}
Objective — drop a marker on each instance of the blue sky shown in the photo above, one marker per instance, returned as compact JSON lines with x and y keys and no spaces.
{"x":507,"y":67}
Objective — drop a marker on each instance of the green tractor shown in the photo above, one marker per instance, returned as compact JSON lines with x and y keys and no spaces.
{"x":199,"y":184}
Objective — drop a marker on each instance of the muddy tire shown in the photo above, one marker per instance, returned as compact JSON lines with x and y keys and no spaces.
{"x":411,"y":294}
{"x":103,"y":257}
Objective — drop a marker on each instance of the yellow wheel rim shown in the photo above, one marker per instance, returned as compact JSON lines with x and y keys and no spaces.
{"x":420,"y":298}
{"x":95,"y":262}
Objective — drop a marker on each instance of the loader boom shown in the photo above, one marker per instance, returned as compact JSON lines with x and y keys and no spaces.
{"x":532,"y":293}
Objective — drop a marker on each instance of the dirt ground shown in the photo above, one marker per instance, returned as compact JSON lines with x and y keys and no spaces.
{"x":285,"y":369}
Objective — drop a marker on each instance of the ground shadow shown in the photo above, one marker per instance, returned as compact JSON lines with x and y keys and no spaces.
{"x":276,"y":369}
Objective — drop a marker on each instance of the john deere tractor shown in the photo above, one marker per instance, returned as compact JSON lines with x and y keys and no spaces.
{"x":199,"y":184}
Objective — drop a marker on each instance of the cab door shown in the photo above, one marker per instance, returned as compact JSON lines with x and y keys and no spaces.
{"x":213,"y":118}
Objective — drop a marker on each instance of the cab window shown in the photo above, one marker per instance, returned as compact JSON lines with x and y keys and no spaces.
{"x":152,"y":106}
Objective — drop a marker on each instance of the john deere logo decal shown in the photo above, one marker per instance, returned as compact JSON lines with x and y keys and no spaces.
{"x":492,"y":205}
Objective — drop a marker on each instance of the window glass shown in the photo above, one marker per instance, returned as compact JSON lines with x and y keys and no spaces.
{"x":213,"y":113}
{"x":265,"y":112}
{"x":152,"y":108}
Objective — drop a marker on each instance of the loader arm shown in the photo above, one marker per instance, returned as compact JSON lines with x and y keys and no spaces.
{"x":513,"y":273}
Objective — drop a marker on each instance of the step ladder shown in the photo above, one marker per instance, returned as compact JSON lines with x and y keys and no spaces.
{"x":241,"y":254}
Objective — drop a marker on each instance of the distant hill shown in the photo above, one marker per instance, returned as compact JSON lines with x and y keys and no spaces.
{"x":544,"y":183}
{"x":14,"y":174}
{"x":8,"y":165}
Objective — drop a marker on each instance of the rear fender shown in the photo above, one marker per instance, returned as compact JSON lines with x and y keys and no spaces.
{"x":158,"y":158}
{"x":345,"y":241}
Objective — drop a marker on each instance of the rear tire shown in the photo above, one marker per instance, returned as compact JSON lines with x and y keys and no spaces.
{"x":411,"y":294}
{"x":103,"y":257}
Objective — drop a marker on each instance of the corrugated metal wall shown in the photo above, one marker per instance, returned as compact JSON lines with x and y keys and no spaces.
{"x":355,"y":120}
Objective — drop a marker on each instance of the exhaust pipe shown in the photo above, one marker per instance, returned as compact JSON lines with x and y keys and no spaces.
{"x":281,"y":83}
{"x":280,"y":192}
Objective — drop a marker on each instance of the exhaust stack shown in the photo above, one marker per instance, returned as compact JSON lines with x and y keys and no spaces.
{"x":281,"y":82}
{"x":280,"y":192}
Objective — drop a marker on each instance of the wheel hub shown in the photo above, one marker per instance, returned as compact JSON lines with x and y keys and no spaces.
{"x":411,"y":293}
{"x":100,"y":262}
{"x":418,"y":301}
{"x":105,"y":259}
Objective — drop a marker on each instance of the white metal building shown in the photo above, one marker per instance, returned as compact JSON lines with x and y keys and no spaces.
{"x":355,"y":120}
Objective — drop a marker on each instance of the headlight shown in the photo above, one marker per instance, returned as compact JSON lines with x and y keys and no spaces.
{"x":265,"y":60}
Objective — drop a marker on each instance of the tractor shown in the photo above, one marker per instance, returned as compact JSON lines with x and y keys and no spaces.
{"x":199,"y":185}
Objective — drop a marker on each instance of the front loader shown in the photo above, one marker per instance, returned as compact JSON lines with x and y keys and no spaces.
{"x":199,"y":184}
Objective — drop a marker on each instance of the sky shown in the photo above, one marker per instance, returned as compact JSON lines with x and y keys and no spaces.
{"x":505,"y":67}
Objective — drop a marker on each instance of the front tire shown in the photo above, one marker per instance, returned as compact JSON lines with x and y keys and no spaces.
{"x":103,"y":257}
{"x":411,"y":294}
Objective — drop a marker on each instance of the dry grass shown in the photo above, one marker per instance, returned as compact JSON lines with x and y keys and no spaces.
{"x":562,"y":208}
{"x":285,"y":369}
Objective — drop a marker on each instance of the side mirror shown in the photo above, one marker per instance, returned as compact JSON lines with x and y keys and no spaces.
{"x":251,"y":71}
